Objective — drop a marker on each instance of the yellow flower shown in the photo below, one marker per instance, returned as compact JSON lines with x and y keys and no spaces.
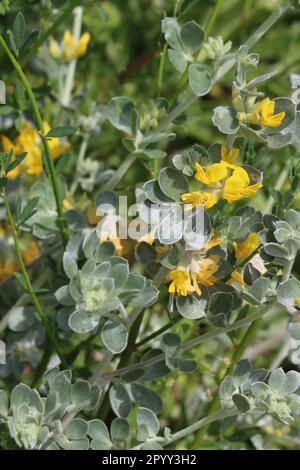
{"x":229,"y":156}
{"x":297,"y":301}
{"x":214,"y":241}
{"x":200,"y":198}
{"x":185,"y":281}
{"x":247,"y":247}
{"x":266,"y":109}
{"x":7,"y":269}
{"x":238,"y":185}
{"x":70,"y":48}
{"x":180,"y":282}
{"x":213,"y":174}
{"x":7,"y":145}
{"x":57,"y":148}
{"x":30,"y":141}
{"x":237,"y":278}
{"x":263,"y":114}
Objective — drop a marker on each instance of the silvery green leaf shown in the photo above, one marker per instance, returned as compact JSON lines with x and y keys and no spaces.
{"x":242,"y":372}
{"x":145,"y":297}
{"x":154,"y":193}
{"x":170,"y":343}
{"x":65,"y":443}
{"x":97,"y":429}
{"x":177,"y":59}
{"x":288,"y":291}
{"x":292,"y":381}
{"x":227,"y":388}
{"x":190,"y":307}
{"x":35,"y":401}
{"x":20,"y":395}
{"x":82,"y":322}
{"x":147,"y":423}
{"x":70,"y":265}
{"x":119,"y":430}
{"x":21,"y":318}
{"x":80,"y":391}
{"x":171,"y":30}
{"x":293,"y":218}
{"x":62,"y":386}
{"x":260,"y":288}
{"x":260,"y":390}
{"x":172,"y":183}
{"x":119,"y":113}
{"x":76,"y":429}
{"x":120,"y":400}
{"x":276,"y":250}
{"x":62,"y":296}
{"x":277,"y":381}
{"x":114,"y":336}
{"x":241,"y":402}
{"x":200,"y":79}
{"x":146,"y":397}
{"x":119,"y":273}
{"x":191,"y":36}
{"x":261,"y":78}
{"x":225,"y":119}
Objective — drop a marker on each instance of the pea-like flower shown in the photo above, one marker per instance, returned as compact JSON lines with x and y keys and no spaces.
{"x":263,"y":114}
{"x":247,"y":247}
{"x":237,"y":277}
{"x":201,"y":198}
{"x":70,"y":48}
{"x":30,"y":141}
{"x":229,"y":156}
{"x":238,"y":185}
{"x":185,"y":280}
{"x":212,"y":174}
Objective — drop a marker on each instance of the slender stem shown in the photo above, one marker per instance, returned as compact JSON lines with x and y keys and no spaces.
{"x":266,"y":25}
{"x":158,"y":332}
{"x":29,"y":286}
{"x":60,"y":20}
{"x":288,"y":269}
{"x":61,"y":221}
{"x":219,"y":415}
{"x":213,"y":16}
{"x":197,"y":341}
{"x":161,"y":69}
{"x":121,"y":171}
{"x":237,"y":355}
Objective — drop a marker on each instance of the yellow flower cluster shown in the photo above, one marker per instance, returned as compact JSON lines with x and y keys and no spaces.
{"x":186,"y":280}
{"x":70,"y":48}
{"x":29,"y":253}
{"x":30,"y":141}
{"x":247,"y":247}
{"x":263,"y":114}
{"x":226,"y":176}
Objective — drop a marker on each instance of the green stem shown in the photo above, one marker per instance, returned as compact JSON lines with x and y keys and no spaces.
{"x":213,"y":16}
{"x":61,"y":221}
{"x":197,"y":341}
{"x":161,"y":69}
{"x":158,"y":332}
{"x":219,"y":415}
{"x":121,"y":172}
{"x":237,"y":355}
{"x":60,"y":20}
{"x":29,"y":286}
